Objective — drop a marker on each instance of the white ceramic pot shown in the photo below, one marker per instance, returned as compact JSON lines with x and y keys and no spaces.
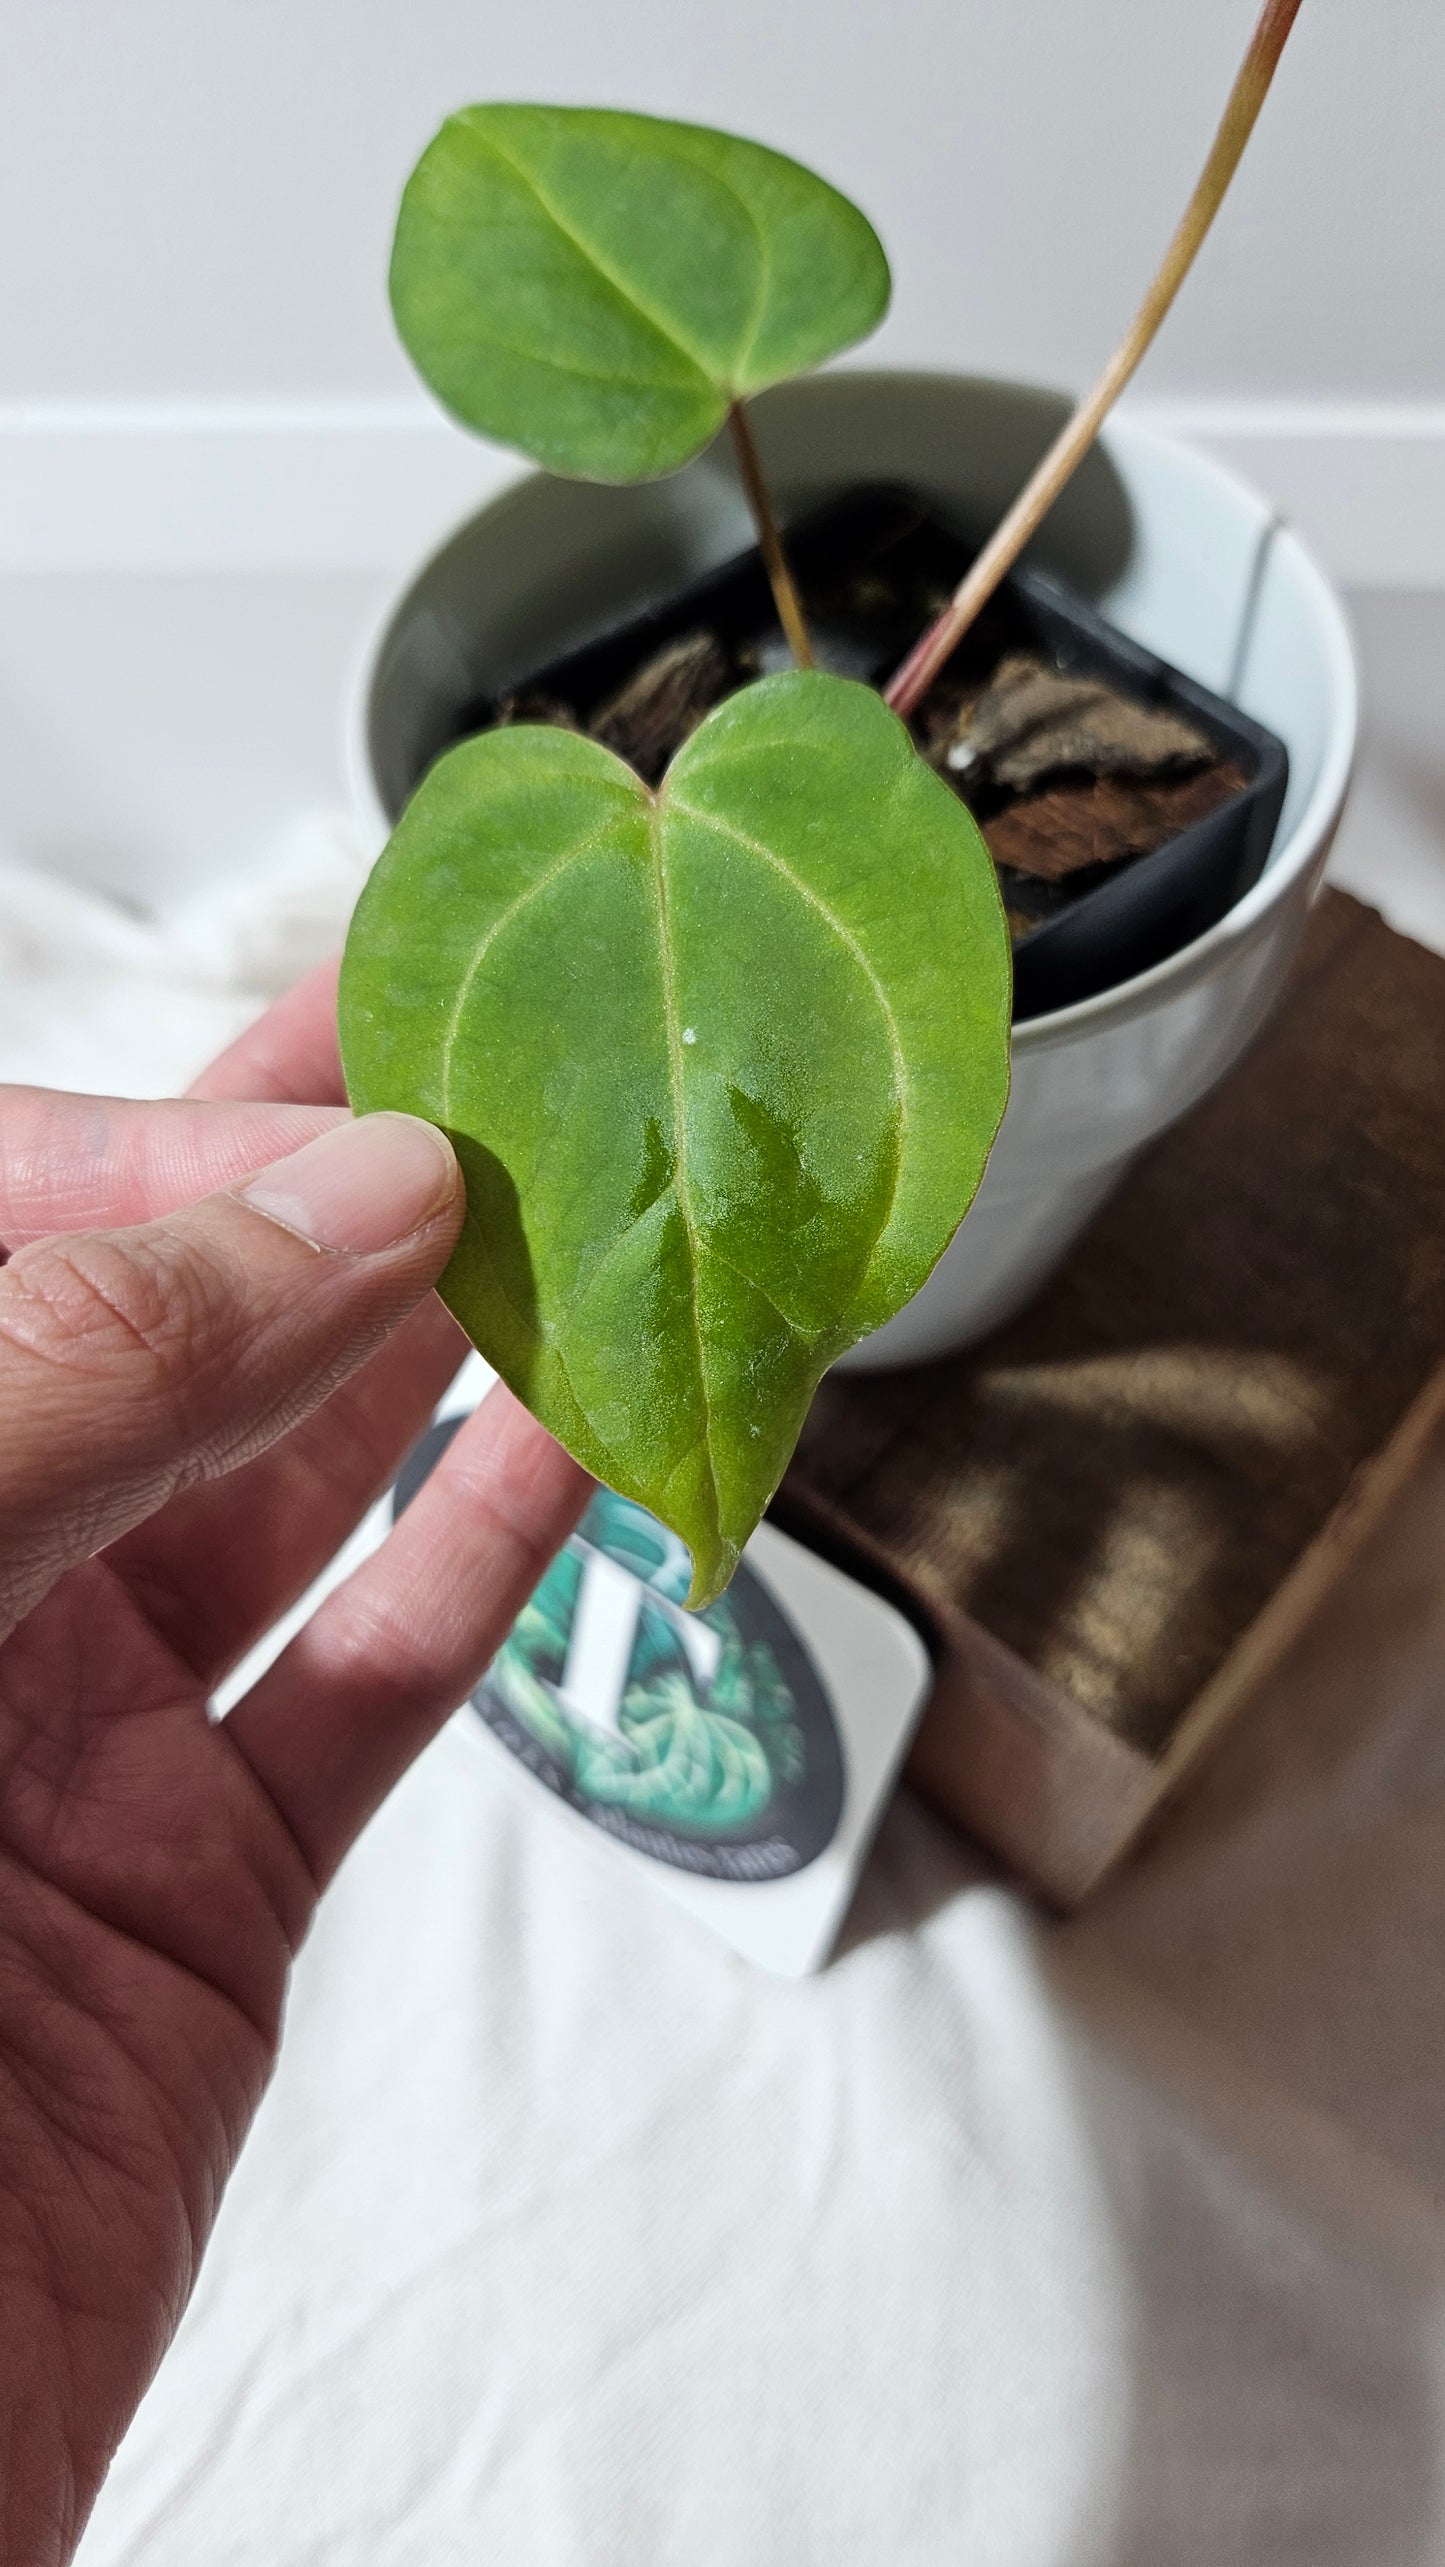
{"x":1178,"y":552}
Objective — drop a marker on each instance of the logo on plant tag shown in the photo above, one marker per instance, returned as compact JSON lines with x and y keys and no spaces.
{"x":705,"y":1740}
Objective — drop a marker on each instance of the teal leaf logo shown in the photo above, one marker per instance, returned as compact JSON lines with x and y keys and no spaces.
{"x":705,"y":1740}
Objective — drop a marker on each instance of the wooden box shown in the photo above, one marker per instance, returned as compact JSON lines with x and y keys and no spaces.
{"x":1111,"y":1518}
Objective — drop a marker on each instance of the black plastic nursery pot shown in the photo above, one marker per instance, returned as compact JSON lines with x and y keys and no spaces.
{"x":872,"y":568}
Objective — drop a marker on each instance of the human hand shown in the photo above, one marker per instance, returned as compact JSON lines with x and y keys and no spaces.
{"x":197,"y":1411}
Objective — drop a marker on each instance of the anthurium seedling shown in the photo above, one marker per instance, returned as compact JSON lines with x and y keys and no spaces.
{"x":722,"y":1060}
{"x":604,"y":290}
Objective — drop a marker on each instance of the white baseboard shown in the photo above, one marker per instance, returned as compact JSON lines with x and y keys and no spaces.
{"x":368,"y":485}
{"x":240,"y":487}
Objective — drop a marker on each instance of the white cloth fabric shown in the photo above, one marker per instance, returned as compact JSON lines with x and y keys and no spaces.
{"x":566,"y":2239}
{"x":97,"y":997}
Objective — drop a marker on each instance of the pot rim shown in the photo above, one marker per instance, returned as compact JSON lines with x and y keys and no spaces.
{"x":1241,"y":926}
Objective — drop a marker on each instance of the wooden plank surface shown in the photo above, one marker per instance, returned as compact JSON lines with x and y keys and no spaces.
{"x":1116,"y":1485}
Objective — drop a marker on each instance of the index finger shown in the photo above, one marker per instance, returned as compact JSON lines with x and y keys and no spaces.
{"x":386,"y":1659}
{"x":290,"y":1055}
{"x":101,"y":1162}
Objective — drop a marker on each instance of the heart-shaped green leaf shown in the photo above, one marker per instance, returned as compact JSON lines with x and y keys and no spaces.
{"x":597,"y":288}
{"x":722,"y":1066}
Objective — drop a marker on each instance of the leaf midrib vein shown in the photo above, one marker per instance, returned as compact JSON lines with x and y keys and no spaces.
{"x":680,"y":1186}
{"x":844,"y":933}
{"x":705,"y":1248}
{"x":590,"y":373}
{"x":666,"y":328}
{"x":756,"y":847}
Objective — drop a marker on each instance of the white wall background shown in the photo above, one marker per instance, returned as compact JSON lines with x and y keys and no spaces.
{"x":213,"y":459}
{"x":196,"y":195}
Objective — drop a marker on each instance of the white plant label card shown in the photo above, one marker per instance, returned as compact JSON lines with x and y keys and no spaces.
{"x":739,"y":1758}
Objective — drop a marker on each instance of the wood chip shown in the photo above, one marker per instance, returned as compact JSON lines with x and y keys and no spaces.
{"x":649,"y":718}
{"x":1033,"y":722}
{"x":1088,"y":821}
{"x":548,"y":711}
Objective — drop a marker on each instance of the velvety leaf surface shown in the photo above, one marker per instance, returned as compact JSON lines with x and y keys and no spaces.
{"x":722,"y":1066}
{"x":596,"y":288}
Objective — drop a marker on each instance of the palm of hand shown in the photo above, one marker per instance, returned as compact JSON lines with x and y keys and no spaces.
{"x":157,"y":1868}
{"x":151,"y":1899}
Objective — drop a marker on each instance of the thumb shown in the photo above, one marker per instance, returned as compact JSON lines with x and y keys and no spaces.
{"x":135,"y":1362}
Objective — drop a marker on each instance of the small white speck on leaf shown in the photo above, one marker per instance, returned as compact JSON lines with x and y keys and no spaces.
{"x":689,"y":1033}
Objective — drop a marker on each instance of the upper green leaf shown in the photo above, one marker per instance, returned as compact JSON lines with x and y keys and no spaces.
{"x":596,"y":288}
{"x":722,"y":1066}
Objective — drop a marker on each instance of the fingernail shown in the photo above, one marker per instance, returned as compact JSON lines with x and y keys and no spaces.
{"x":361,"y":1187}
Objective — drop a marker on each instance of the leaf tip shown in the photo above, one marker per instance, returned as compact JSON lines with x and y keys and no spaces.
{"x":711,"y":1575}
